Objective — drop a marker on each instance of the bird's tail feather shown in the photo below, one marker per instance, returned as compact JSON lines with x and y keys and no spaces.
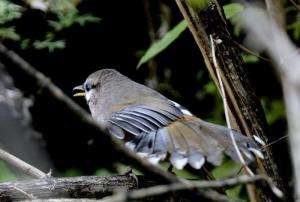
{"x":193,"y":142}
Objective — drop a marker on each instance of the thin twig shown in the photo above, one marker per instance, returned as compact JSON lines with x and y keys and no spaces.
{"x":244,"y":48}
{"x":30,"y":196}
{"x":21,"y":165}
{"x":295,"y":4}
{"x":275,"y":141}
{"x":236,"y":148}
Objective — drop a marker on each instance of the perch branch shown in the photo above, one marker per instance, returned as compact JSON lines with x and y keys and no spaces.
{"x":175,"y":187}
{"x":123,"y":185}
{"x":83,"y":187}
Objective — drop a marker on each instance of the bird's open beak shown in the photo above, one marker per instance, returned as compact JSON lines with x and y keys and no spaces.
{"x":81,"y":92}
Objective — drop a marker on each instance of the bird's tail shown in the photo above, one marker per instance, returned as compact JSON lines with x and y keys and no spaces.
{"x":193,"y":142}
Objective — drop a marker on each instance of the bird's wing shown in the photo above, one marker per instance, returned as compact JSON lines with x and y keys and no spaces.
{"x":143,"y":118}
{"x":164,"y":128}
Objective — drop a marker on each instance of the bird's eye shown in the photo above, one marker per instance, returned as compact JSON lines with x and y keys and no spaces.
{"x":88,"y":86}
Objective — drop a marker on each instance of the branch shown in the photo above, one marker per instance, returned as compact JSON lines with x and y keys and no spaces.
{"x":123,"y":185}
{"x":21,"y":165}
{"x":175,"y":187}
{"x":83,"y":187}
{"x":93,"y":187}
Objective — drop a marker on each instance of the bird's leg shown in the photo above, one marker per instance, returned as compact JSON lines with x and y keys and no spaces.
{"x":130,"y":173}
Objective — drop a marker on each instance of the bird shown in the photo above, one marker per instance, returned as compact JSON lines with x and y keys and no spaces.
{"x":157,"y":128}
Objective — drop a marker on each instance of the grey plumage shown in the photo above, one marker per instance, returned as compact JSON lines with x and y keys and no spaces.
{"x":157,"y":127}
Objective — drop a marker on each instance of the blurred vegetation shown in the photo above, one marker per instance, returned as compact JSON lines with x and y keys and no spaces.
{"x":59,"y":16}
{"x":6,"y":174}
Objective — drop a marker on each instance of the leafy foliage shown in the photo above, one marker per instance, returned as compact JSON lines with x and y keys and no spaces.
{"x":9,"y":11}
{"x":65,"y":14}
{"x":232,"y":10}
{"x":49,"y":43}
{"x":198,"y":4}
{"x":6,"y":174}
{"x":162,"y":44}
{"x":66,"y":20}
{"x":9,"y":33}
{"x":295,"y":27}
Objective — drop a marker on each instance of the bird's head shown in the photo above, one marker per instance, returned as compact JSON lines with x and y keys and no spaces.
{"x":92,"y":85}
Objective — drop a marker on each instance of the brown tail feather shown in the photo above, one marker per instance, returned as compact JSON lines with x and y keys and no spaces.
{"x":192,"y":141}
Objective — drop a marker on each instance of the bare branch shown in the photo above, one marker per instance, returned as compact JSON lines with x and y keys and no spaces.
{"x":21,"y":165}
{"x":123,"y":185}
{"x":295,"y":4}
{"x":96,"y":187}
{"x":83,"y":187}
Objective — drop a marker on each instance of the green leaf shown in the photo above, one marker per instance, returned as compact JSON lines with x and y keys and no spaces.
{"x":103,"y":172}
{"x":232,"y":9}
{"x":197,"y":4}
{"x":9,"y":11}
{"x":25,"y":43}
{"x":69,"y":19}
{"x":235,"y":193}
{"x":162,"y":44}
{"x":295,"y":27}
{"x":64,"y":6}
{"x":72,"y":172}
{"x":274,"y":109}
{"x":248,"y":58}
{"x":5,"y":173}
{"x":9,"y":33}
{"x":227,"y":169}
{"x":87,"y":18}
{"x":50,"y":45}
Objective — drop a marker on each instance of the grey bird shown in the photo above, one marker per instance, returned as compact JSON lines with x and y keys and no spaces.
{"x":158,"y":128}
